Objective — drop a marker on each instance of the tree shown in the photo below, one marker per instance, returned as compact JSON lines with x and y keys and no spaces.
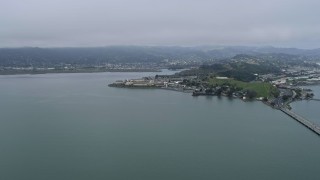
{"x":219,"y":91}
{"x":231,"y":91}
{"x":285,"y":97}
{"x":251,"y":94}
{"x":209,"y":91}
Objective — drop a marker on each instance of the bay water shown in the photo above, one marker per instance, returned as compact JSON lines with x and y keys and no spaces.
{"x":73,"y":126}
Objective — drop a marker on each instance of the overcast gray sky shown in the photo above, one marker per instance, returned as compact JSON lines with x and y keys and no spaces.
{"x":61,"y":23}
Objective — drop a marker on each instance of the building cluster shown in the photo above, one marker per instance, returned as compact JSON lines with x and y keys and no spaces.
{"x":293,"y":76}
{"x":189,"y":84}
{"x":173,"y":83}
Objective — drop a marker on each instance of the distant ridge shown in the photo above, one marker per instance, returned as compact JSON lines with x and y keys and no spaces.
{"x":27,"y":56}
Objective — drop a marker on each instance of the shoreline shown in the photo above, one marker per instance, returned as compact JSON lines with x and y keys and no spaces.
{"x":4,"y":73}
{"x":276,"y":104}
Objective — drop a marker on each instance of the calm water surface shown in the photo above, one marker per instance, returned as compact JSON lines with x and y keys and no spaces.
{"x":72,"y":126}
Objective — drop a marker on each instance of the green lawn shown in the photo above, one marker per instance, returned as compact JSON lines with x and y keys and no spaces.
{"x":261,"y":88}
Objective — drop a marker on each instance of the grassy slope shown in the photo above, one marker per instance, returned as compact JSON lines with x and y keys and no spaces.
{"x":262,"y":89}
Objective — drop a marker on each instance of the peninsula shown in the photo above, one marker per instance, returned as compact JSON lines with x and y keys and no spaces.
{"x":243,"y":77}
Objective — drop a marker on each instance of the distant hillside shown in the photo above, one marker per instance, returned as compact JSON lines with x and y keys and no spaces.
{"x":142,"y":54}
{"x":231,"y":51}
{"x":241,"y":67}
{"x":93,"y":56}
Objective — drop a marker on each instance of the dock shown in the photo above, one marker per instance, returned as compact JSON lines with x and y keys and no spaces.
{"x":310,"y":125}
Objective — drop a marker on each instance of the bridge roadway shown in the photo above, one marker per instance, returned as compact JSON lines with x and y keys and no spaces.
{"x":312,"y":126}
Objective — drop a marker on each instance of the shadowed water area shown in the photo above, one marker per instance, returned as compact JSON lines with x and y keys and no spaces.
{"x":73,"y":126}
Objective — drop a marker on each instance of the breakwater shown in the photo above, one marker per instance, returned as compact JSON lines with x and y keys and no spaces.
{"x":310,"y":125}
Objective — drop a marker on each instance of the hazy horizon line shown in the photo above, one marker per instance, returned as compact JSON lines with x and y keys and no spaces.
{"x":154,"y":45}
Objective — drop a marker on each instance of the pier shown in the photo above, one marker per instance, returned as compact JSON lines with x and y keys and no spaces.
{"x":310,"y":125}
